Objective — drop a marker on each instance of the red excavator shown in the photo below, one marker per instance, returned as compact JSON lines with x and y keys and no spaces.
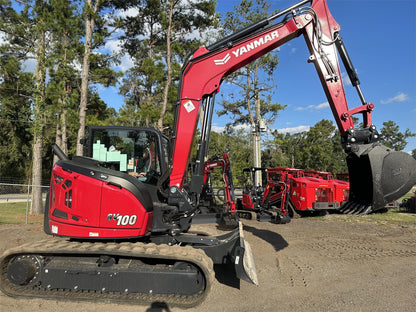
{"x":222,"y":162}
{"x":269,"y":202}
{"x":286,"y":191}
{"x":126,"y":240}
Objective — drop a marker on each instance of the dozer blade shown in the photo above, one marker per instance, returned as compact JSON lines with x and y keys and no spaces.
{"x":378,"y":176}
{"x":244,"y":261}
{"x":233,"y":245}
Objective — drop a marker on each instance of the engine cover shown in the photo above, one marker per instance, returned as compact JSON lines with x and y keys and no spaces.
{"x":87,"y":200}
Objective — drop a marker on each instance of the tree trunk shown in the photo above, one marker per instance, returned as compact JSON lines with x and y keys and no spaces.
{"x":64,"y":138}
{"x":63,"y":141}
{"x":38,"y":124}
{"x":89,"y":27}
{"x":256,"y":135}
{"x":169,"y":70}
{"x":257,"y":157}
{"x":61,"y":134}
{"x":37,"y":205}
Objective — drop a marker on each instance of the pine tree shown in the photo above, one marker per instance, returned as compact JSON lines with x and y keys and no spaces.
{"x":95,"y":67}
{"x":66,"y":32}
{"x":26,"y":31}
{"x":158,"y":39}
{"x":392,"y":137}
{"x":253,"y":104}
{"x":16,"y":89}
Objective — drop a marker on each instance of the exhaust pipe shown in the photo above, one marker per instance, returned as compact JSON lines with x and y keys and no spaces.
{"x":378,"y":176}
{"x":58,"y":152}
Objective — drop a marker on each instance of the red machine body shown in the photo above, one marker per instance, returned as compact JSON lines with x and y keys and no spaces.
{"x":111,"y":211}
{"x":340,"y":188}
{"x":253,"y":195}
{"x":306,"y":194}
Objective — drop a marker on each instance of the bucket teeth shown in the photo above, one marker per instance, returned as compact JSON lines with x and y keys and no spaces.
{"x":355,"y":208}
{"x":347,"y":207}
{"x":358,"y":209}
{"x":366,"y":210}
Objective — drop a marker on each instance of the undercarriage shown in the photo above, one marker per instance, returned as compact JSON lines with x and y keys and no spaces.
{"x":135,"y":273}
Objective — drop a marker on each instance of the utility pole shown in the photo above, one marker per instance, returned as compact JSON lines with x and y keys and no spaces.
{"x":258,"y":127}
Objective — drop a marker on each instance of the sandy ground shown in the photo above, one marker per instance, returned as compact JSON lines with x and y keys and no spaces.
{"x":307,"y":265}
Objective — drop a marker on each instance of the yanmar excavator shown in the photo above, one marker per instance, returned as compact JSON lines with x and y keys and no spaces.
{"x":222,"y":162}
{"x":270,"y":203}
{"x":126,"y":240}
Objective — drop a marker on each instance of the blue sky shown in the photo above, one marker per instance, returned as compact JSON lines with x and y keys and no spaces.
{"x":380,"y":37}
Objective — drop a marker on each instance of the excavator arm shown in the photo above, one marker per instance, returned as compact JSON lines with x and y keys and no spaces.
{"x":376,"y":182}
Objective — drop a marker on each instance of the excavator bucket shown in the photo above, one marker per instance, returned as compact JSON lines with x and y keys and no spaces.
{"x":378,"y":176}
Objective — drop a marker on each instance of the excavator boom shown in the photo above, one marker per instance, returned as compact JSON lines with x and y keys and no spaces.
{"x":378,"y":175}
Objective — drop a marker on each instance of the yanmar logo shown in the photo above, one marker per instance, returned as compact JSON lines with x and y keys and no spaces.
{"x":248,"y":47}
{"x":223,"y":60}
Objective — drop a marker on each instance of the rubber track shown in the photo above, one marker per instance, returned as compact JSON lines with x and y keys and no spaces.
{"x":63,"y":246}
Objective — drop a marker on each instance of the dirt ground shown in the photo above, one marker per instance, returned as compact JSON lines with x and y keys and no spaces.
{"x":326,"y":264}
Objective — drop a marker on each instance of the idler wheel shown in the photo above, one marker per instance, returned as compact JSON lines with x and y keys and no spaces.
{"x":23,"y":269}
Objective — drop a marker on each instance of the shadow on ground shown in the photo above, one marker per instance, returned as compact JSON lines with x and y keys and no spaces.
{"x":274,"y":239}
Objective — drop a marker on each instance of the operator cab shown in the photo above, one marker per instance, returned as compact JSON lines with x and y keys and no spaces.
{"x":139,"y":152}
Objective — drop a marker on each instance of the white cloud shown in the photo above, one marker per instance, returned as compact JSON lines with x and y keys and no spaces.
{"x":131,"y":12}
{"x":126,"y":62}
{"x":346,"y":79}
{"x":400,"y":97}
{"x":322,"y":105}
{"x":3,"y":39}
{"x":220,"y":129}
{"x":313,"y":107}
{"x":217,"y":129}
{"x":29,"y":65}
{"x":292,"y":130}
{"x":113,"y":46}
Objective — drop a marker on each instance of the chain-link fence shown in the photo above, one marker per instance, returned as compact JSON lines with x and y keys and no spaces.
{"x":13,"y":190}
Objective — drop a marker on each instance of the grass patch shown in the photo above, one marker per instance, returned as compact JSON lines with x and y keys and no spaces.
{"x":392,"y":217}
{"x":15,"y":213}
{"x":12,"y":213}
